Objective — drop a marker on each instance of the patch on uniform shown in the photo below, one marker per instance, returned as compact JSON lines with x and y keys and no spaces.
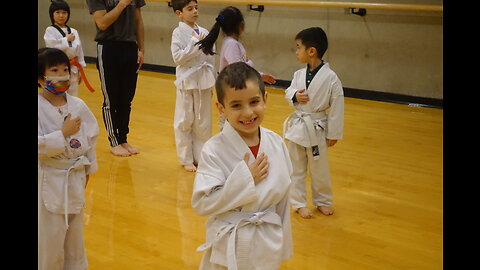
{"x":74,"y":143}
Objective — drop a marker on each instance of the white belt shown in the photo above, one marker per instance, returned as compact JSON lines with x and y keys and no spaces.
{"x":68,"y":165}
{"x":236,"y":220}
{"x":189,"y":72}
{"x":307,"y":119}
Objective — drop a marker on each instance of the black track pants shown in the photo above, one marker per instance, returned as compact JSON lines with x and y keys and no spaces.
{"x":117,"y":66}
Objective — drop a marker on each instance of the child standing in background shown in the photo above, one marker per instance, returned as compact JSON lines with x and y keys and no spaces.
{"x":59,"y":35}
{"x":310,"y":130}
{"x":67,"y":136}
{"x":230,"y":21}
{"x":195,"y":77}
{"x":243,"y":181}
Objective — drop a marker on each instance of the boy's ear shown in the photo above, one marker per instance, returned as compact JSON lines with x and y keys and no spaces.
{"x":220,"y":108}
{"x":178,"y":13}
{"x":312,"y":51}
{"x":265,"y":97}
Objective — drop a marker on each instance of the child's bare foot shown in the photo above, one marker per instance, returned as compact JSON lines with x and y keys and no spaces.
{"x":119,"y":151}
{"x":327,"y":211}
{"x":130,"y":148}
{"x":190,"y":168}
{"x":304,"y":212}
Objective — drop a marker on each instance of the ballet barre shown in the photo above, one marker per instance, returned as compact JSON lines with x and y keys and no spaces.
{"x":325,"y":4}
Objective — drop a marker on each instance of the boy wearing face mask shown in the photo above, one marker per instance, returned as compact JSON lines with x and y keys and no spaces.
{"x":67,"y":135}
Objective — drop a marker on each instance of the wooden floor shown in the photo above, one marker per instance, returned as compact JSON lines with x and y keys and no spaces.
{"x":387,"y":183}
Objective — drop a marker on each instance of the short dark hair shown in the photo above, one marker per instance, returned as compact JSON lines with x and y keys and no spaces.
{"x":180,"y":4}
{"x":48,"y":57}
{"x":236,"y":76}
{"x":58,"y":5}
{"x":314,"y":37}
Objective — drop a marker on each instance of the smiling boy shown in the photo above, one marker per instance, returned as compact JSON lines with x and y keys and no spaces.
{"x":243,"y":180}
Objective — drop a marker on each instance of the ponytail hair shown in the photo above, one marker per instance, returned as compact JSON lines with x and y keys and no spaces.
{"x":229,"y":20}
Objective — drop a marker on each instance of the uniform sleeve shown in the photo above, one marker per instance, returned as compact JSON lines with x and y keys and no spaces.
{"x":50,"y":145}
{"x":92,"y":134}
{"x":292,"y":89}
{"x":283,"y":210}
{"x":80,"y":54}
{"x":213,"y":195}
{"x":336,"y":114}
{"x":183,"y":54}
{"x":54,"y":40}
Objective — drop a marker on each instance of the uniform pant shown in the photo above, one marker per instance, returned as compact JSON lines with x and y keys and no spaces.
{"x":59,"y":248}
{"x":117,"y":66}
{"x":192,"y":123}
{"x":302,"y":160}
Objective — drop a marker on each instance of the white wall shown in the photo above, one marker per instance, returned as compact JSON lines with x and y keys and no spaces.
{"x":388,"y":51}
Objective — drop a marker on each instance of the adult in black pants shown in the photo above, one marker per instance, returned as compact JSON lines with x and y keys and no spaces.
{"x":120,"y":49}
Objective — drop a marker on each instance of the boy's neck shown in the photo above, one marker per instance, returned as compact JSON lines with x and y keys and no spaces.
{"x":314,"y":63}
{"x":251,"y":140}
{"x":60,"y":25}
{"x":191,"y":24}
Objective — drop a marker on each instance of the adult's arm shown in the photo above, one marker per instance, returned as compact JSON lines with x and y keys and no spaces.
{"x":139,"y":32}
{"x":104,"y":19}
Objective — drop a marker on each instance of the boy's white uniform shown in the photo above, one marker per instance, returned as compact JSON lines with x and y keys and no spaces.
{"x":63,"y":164}
{"x":54,"y":39}
{"x":249,"y":225}
{"x":195,"y":78}
{"x":310,"y":125}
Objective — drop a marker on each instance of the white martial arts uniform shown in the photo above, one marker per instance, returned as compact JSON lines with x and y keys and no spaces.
{"x":54,"y":39}
{"x":63,"y":164}
{"x":249,"y":225}
{"x":310,"y":125}
{"x":195,"y":78}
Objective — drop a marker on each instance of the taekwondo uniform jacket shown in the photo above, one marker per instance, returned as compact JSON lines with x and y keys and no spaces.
{"x":63,"y":163}
{"x":249,"y":225}
{"x":195,"y":69}
{"x":54,"y":39}
{"x":325,"y":92}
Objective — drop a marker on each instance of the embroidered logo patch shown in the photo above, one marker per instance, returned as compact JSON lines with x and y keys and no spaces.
{"x":74,"y":143}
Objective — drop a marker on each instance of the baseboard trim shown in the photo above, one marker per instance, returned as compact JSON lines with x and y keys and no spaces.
{"x":348,"y":92}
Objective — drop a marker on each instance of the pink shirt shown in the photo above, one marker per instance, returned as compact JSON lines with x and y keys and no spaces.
{"x":232,"y":51}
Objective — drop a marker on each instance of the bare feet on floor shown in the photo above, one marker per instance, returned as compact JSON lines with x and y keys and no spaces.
{"x":325,"y":210}
{"x":119,"y":151}
{"x":190,"y":168}
{"x":130,"y":148}
{"x":304,"y":212}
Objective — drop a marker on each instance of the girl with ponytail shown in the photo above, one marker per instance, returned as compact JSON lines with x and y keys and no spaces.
{"x":230,"y":21}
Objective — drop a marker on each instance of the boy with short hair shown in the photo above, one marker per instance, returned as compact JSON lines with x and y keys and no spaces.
{"x":243,"y":180}
{"x":195,"y":74}
{"x":310,"y":130}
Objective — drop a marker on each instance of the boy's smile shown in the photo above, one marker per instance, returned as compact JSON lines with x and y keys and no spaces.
{"x":244,"y":109}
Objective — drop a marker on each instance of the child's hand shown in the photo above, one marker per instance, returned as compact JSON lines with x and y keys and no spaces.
{"x":70,"y":37}
{"x":302,"y":97}
{"x":268,"y":78}
{"x":200,"y":35}
{"x":259,"y":168}
{"x":331,"y":142}
{"x":70,"y":126}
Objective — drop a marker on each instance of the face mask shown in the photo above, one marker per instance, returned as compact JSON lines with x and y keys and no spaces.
{"x":57,"y":84}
